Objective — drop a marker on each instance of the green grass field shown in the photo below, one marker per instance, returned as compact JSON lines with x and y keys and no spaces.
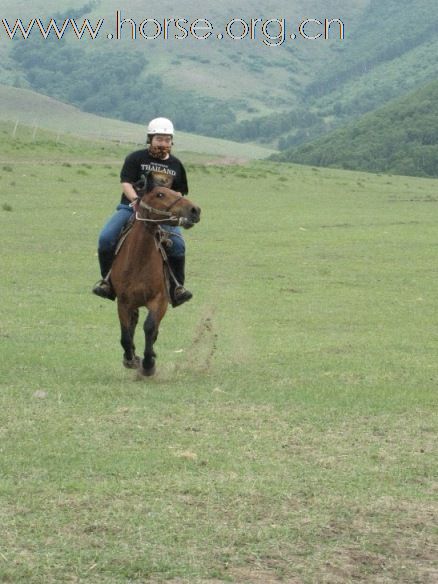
{"x":289,"y":434}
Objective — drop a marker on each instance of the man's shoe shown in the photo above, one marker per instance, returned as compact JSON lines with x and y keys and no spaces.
{"x":104,"y":289}
{"x":180,"y":295}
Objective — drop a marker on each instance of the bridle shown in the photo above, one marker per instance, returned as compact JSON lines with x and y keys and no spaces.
{"x":166,"y":214}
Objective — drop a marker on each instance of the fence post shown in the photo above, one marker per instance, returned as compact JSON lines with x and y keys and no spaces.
{"x":14,"y":131}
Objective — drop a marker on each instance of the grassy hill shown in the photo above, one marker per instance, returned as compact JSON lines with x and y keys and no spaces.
{"x":400,"y":138}
{"x":41,"y":112}
{"x":290,"y":432}
{"x":386,"y":32}
{"x":227,"y":72}
{"x":390,"y":52}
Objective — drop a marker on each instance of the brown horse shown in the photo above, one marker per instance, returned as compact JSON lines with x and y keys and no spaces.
{"x":138,"y":275}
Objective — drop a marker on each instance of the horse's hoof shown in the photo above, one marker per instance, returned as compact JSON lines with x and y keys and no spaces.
{"x":132,"y":363}
{"x":147,"y":372}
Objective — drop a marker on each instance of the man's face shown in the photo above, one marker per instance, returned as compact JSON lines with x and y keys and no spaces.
{"x":160,"y":145}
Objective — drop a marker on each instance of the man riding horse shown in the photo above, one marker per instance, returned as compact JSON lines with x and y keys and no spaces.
{"x":161,"y":169}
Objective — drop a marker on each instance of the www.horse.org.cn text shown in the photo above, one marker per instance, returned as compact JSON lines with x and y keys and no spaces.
{"x":271,"y":32}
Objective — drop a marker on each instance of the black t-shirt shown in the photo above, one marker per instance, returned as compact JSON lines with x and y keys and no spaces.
{"x":169,"y":173}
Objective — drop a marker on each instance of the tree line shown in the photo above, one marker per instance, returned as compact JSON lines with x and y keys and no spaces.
{"x":400,"y":138}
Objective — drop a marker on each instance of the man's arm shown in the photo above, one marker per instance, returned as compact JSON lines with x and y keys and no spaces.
{"x":129,"y":191}
{"x":129,"y":175}
{"x":184,"y":188}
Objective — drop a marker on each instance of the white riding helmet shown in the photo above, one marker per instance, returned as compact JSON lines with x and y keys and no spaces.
{"x":160,"y":126}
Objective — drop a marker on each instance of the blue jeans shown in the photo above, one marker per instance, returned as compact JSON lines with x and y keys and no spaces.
{"x":110,"y":233}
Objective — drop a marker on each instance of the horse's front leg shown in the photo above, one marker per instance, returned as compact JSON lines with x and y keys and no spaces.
{"x":128,"y":320}
{"x":151,"y":326}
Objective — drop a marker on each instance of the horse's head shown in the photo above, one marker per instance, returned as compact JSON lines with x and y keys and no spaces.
{"x":162,"y":205}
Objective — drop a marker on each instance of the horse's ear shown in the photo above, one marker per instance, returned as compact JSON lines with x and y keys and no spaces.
{"x":140,"y":185}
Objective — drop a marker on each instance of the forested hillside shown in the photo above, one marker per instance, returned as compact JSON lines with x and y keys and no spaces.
{"x":282,"y":95}
{"x":205,"y":85}
{"x":400,"y":138}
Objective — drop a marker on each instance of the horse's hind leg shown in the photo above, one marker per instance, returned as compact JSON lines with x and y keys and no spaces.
{"x":128,"y":321}
{"x":150,"y":326}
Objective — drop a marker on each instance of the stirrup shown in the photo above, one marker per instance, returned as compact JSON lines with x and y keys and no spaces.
{"x":180,"y":295}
